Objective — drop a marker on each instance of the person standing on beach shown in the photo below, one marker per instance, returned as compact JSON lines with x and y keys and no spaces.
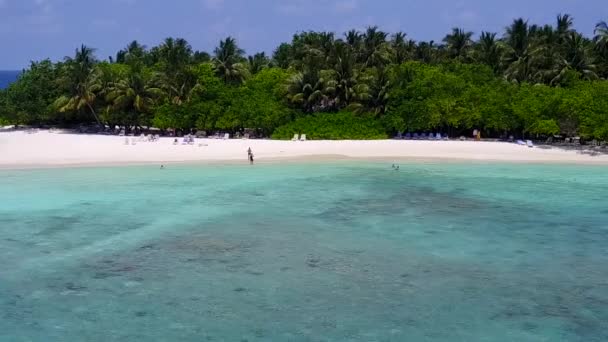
{"x":250,"y":155}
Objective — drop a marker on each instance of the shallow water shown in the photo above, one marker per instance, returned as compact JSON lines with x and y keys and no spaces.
{"x":325,"y":252}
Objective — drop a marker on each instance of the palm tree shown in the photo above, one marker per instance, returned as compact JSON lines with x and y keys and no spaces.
{"x":200,"y":57}
{"x":134,"y":52}
{"x":174,"y":55}
{"x":80,"y":82}
{"x":228,"y":61}
{"x":564,"y":24}
{"x":426,"y":52}
{"x":257,"y":62}
{"x":373,"y":98}
{"x":308,"y":90}
{"x":576,"y":57}
{"x":134,"y":94}
{"x":488,"y":51}
{"x":601,"y":46}
{"x":354,"y":39}
{"x":402,"y":48}
{"x":458,"y":43}
{"x":601,"y":33}
{"x":173,"y":59}
{"x":344,"y":75}
{"x":375,"y":50}
{"x":282,"y":56}
{"x":517,"y":38}
{"x":517,"y":59}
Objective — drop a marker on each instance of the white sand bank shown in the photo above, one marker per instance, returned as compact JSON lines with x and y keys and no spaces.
{"x":45,"y":149}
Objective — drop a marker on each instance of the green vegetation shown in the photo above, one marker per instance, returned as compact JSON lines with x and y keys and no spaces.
{"x":530,"y":81}
{"x":333,"y":126}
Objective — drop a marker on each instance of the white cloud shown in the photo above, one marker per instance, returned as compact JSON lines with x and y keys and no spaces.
{"x":460,"y":14}
{"x":43,"y":6}
{"x":127,"y":2}
{"x":346,"y":6}
{"x":105,"y":24}
{"x":307,"y":7}
{"x":213,"y":4}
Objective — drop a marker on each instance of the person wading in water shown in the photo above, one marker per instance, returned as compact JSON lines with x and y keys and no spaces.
{"x":250,"y":156}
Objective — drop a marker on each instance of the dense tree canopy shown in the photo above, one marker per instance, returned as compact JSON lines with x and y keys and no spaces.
{"x":529,"y":80}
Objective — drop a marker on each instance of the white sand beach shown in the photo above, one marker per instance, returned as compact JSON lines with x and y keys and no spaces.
{"x":19,"y":149}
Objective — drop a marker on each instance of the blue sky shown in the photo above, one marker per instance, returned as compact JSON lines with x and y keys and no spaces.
{"x":38,"y":29}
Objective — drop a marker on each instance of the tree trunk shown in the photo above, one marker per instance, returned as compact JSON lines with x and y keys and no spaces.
{"x":94,"y":114}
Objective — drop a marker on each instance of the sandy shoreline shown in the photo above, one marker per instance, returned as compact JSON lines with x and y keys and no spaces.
{"x":20,"y":150}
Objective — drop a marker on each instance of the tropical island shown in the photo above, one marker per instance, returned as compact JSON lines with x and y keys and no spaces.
{"x":529,"y":82}
{"x":356,"y":187}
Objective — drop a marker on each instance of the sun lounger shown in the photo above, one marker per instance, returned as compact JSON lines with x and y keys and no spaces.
{"x":303,"y":137}
{"x":416,"y":136}
{"x":423,"y":136}
{"x":521,"y":142}
{"x":438,"y":136}
{"x":226,"y":136}
{"x":529,"y":143}
{"x":399,"y":135}
{"x":296,"y":137}
{"x":408,"y":136}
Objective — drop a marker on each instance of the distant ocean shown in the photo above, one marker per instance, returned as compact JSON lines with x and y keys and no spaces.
{"x":7,"y":77}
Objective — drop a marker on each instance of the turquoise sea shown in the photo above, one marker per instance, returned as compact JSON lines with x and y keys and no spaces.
{"x":324,"y":252}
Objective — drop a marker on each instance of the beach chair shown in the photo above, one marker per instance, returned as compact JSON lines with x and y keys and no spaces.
{"x":408,"y":136}
{"x":399,"y":136}
{"x":303,"y":137}
{"x":529,"y":143}
{"x":296,"y":137}
{"x":521,"y":143}
{"x":438,"y":136}
{"x":415,"y":136}
{"x":226,"y":136}
{"x":423,"y":136}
